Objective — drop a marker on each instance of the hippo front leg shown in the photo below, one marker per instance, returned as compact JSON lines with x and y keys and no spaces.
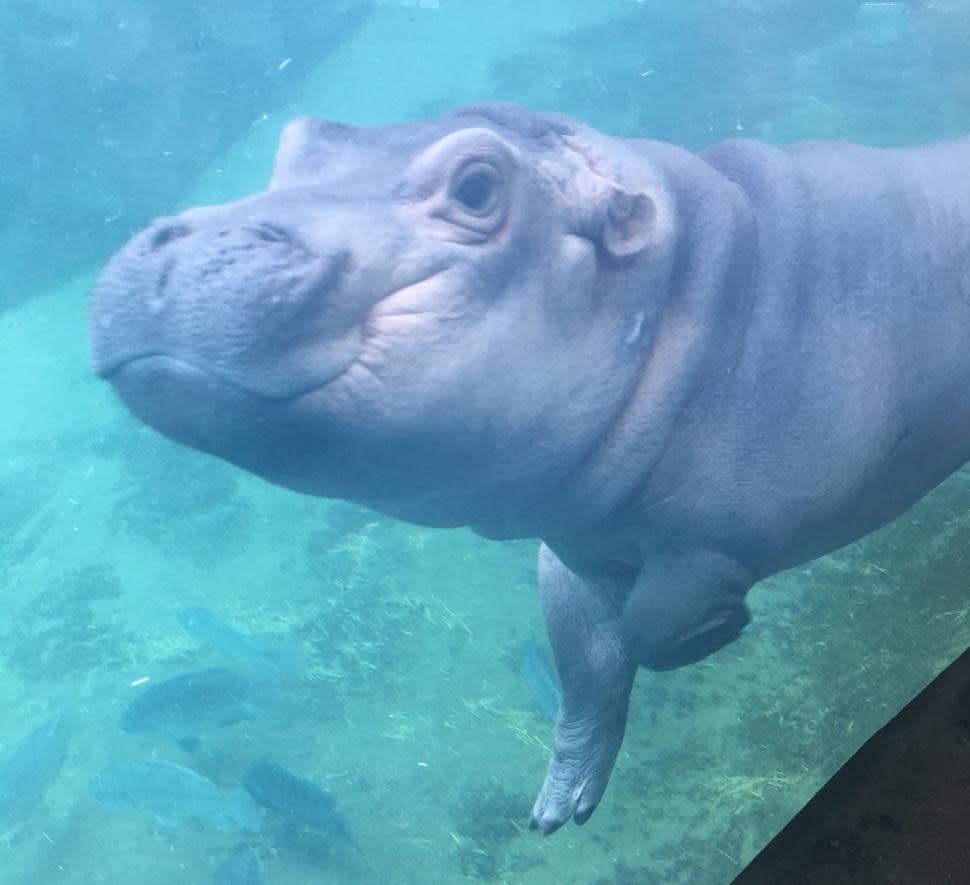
{"x":678,"y":609}
{"x":583,"y":621}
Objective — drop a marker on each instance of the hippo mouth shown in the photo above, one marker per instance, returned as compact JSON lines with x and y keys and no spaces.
{"x":215,"y":414}
{"x":160,"y":368}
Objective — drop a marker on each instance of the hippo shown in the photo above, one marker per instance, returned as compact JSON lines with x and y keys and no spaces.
{"x":682,"y":372}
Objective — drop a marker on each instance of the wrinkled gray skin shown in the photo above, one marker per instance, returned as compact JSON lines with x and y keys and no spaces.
{"x":683,"y":372}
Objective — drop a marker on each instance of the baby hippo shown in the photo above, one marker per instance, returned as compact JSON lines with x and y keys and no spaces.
{"x":683,"y":372}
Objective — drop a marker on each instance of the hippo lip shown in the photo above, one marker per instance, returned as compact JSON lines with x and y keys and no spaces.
{"x":161,"y":363}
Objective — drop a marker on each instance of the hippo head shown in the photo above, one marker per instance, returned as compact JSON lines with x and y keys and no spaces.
{"x":427,"y":318}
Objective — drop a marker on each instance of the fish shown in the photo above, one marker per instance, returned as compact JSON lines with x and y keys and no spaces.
{"x":173,"y":795}
{"x":297,"y":801}
{"x":541,"y":676}
{"x":241,"y":867}
{"x":30,"y":765}
{"x":261,"y":656}
{"x":183,"y":706}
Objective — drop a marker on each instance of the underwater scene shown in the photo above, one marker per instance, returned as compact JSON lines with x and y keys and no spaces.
{"x":207,"y":677}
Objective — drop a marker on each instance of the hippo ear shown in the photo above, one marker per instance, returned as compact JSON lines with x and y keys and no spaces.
{"x":630,"y":223}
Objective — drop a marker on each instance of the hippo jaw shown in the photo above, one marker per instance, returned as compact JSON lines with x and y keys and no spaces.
{"x":278,"y":411}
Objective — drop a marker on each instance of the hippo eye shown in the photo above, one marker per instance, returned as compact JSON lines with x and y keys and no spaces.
{"x":476,"y":188}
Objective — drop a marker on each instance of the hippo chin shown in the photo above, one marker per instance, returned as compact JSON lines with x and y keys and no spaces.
{"x":683,"y":372}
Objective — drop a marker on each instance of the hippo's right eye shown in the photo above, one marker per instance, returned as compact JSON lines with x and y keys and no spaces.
{"x":476,"y":187}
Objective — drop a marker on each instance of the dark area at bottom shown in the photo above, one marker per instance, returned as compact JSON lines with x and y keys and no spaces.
{"x":897,"y":812}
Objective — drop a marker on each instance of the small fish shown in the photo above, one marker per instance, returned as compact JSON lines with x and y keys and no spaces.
{"x":185,"y":705}
{"x":29,"y":766}
{"x":173,"y":795}
{"x":242,"y":867}
{"x":541,"y":675}
{"x":299,"y":802}
{"x":260,"y":655}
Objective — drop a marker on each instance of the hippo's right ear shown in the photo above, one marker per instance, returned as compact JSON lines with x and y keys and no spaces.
{"x":631,"y":222}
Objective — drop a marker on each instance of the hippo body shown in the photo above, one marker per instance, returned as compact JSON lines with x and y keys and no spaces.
{"x":683,"y":372}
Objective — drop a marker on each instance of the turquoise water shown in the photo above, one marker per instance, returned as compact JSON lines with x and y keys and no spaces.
{"x":395,"y":679}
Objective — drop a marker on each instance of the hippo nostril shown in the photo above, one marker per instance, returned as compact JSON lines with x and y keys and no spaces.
{"x":269,"y":233}
{"x":166,"y":233}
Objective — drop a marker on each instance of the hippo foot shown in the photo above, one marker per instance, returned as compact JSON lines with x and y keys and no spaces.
{"x":579,"y":771}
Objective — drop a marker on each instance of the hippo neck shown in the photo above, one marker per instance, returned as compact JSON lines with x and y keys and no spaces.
{"x":685,"y":363}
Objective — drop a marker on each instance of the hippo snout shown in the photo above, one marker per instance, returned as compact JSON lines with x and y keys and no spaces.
{"x":242,"y":299}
